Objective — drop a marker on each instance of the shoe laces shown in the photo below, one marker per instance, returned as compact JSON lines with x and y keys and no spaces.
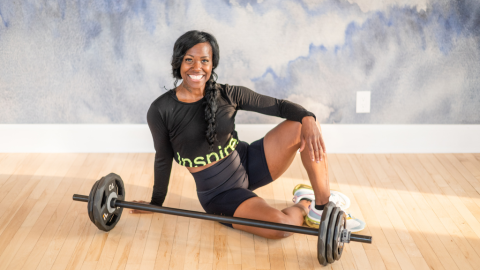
{"x":337,"y":200}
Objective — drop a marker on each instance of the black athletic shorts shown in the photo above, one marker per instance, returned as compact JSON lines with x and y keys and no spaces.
{"x":224,"y":186}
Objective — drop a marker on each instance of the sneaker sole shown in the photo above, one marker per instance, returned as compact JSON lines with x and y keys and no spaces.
{"x":299,"y":186}
{"x":311,"y":223}
{"x":360,"y":227}
{"x":315,"y":224}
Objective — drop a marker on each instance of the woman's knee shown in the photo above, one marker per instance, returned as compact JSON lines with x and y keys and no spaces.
{"x":281,"y":218}
{"x":288,"y":132}
{"x":280,"y":235}
{"x":295,"y":129}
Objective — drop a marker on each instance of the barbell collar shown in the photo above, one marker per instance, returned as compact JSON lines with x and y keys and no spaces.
{"x":361,"y":238}
{"x":218,"y":218}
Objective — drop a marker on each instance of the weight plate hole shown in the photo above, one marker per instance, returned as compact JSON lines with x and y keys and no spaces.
{"x":119,"y":190}
{"x":104,"y":199}
{"x":112,"y":220}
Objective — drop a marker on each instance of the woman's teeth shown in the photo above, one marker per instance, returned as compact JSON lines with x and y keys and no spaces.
{"x":195,"y":77}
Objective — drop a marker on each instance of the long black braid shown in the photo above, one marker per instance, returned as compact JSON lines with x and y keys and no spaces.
{"x":211,"y":93}
{"x":182,"y":45}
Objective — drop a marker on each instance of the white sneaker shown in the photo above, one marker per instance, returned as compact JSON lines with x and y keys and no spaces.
{"x":302,"y":191}
{"x":354,"y":224}
{"x":315,"y":216}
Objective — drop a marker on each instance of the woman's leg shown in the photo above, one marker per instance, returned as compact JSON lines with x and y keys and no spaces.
{"x":257,"y":208}
{"x":280,"y":146}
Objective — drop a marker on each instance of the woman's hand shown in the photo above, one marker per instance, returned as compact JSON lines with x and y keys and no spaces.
{"x":311,"y":137}
{"x":135,"y":211}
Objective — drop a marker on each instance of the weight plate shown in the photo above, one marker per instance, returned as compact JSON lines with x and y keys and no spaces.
{"x":331,"y":229}
{"x":322,"y":233}
{"x":90,"y":201}
{"x":338,"y":245}
{"x":103,"y":219}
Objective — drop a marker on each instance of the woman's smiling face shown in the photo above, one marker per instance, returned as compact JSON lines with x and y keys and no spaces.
{"x":197,"y":66}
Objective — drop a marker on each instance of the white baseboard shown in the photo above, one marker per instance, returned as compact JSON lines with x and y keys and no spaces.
{"x":114,"y":138}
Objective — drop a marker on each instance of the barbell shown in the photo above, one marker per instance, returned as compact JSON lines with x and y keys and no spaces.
{"x":106,"y":203}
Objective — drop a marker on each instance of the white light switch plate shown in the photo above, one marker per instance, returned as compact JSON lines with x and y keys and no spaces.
{"x":363,"y":101}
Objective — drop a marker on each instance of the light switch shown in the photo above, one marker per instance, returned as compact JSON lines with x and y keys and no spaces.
{"x":363,"y":101}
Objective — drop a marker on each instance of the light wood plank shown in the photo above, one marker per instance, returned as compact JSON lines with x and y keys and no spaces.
{"x":429,"y":216}
{"x":460,"y":250}
{"x":427,"y":251}
{"x":140,"y":239}
{"x":114,"y":235}
{"x":357,"y":248}
{"x":192,"y":252}
{"x":462,"y":170}
{"x":462,"y":201}
{"x":207,"y":241}
{"x":72,"y":230}
{"x":288,"y":244}
{"x":464,"y":236}
{"x":262,"y":259}
{"x":86,"y":238}
{"x":135,"y":190}
{"x":234,"y":247}
{"x":165,"y":250}
{"x":3,"y":156}
{"x":39,"y":238}
{"x":180,"y":237}
{"x":290,"y":179}
{"x":81,"y":221}
{"x":14,"y":192}
{"x":248,"y":251}
{"x":10,"y":164}
{"x":387,"y":239}
{"x":369,"y":203}
{"x":220,"y":258}
{"x":31,"y":210}
{"x":61,"y":215}
{"x":275,"y":250}
{"x":471,"y":163}
{"x":276,"y":254}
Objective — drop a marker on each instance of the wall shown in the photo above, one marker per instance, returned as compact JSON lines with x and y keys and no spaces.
{"x":104,"y":62}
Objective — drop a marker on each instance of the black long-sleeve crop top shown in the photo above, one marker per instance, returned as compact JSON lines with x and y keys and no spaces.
{"x":178,"y":129}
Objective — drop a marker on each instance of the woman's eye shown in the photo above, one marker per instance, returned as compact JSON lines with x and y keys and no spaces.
{"x":188,"y":60}
{"x":205,"y":61}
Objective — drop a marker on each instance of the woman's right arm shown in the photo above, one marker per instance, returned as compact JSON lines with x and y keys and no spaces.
{"x":163,"y":155}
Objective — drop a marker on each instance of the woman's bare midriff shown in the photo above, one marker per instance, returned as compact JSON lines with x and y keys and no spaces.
{"x":201,"y":168}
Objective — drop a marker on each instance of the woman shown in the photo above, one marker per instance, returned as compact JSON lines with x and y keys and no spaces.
{"x":195,"y":125}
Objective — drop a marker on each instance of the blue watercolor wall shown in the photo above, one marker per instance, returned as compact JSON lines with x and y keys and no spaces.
{"x":99,"y":61}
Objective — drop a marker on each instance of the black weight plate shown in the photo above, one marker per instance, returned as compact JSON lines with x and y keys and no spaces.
{"x":330,"y":232}
{"x":322,"y":233}
{"x":337,"y":244}
{"x":90,"y":201}
{"x":103,"y":219}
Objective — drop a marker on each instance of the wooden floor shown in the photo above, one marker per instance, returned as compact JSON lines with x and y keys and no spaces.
{"x":423,"y":211}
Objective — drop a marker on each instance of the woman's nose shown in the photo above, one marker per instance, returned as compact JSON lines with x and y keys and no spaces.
{"x":197,"y":65}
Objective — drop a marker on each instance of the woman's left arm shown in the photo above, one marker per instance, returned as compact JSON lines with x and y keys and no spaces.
{"x":311,"y":136}
{"x":312,"y":139}
{"x":246,"y":99}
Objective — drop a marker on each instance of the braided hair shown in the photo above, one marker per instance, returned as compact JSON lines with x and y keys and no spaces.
{"x":182,"y":45}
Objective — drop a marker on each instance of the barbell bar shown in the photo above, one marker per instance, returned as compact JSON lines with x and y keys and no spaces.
{"x":225,"y":219}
